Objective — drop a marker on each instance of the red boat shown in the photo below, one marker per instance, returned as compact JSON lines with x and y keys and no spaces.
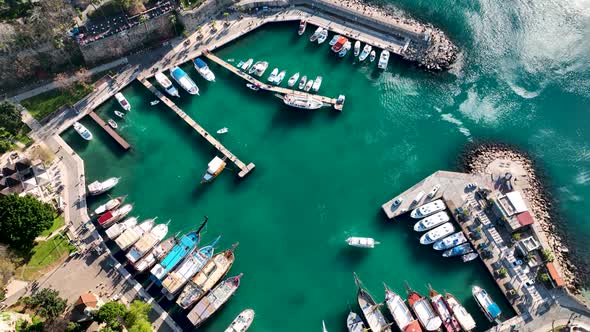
{"x":302,"y":26}
{"x":438,"y":302}
{"x":339,"y":44}
{"x":423,"y":310}
{"x":112,"y":216}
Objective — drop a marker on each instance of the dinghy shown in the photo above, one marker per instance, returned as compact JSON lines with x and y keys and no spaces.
{"x":223,"y":130}
{"x":112,"y":123}
{"x":154,"y":102}
{"x":119,"y":114}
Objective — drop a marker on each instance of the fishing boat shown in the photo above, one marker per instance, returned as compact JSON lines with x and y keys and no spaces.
{"x":252,"y":86}
{"x":98,"y":187}
{"x":280,"y":77}
{"x":334,"y":40}
{"x":302,"y":26}
{"x":208,"y":305}
{"x":433,"y":191}
{"x":361,"y":242}
{"x":242,"y":322}
{"x":450,"y":241}
{"x":302,"y":82}
{"x":133,"y":234}
{"x":222,"y":130}
{"x":154,"y":102}
{"x":463,"y":317}
{"x":428,"y":209}
{"x":165,"y":83}
{"x":345,"y":49}
{"x":440,"y":232}
{"x":372,"y":56}
{"x":304,"y":102}
{"x":355,"y":323}
{"x":113,"y":216}
{"x":324,"y":329}
{"x":323,"y":36}
{"x":357,"y":48}
{"x":308,"y":85}
{"x":119,"y":114}
{"x":273,"y":75}
{"x":259,"y":68}
{"x":317,"y":83}
{"x":440,"y":306}
{"x":203,"y":69}
{"x":486,"y":304}
{"x":192,"y":264}
{"x":147,"y":242}
{"x":112,"y":123}
{"x":316,"y":34}
{"x":185,"y":245}
{"x":123,"y":101}
{"x":423,"y":310}
{"x":214,"y":168}
{"x":83,"y":131}
{"x":247,"y":64}
{"x":383,"y":60}
{"x":402,"y":316}
{"x":293,"y":79}
{"x":209,"y":276}
{"x":339,"y":43}
{"x":185,"y":82}
{"x":365,"y":53}
{"x":458,"y":250}
{"x":115,"y":230}
{"x":370,"y":308}
{"x":155,"y":255}
{"x":469,"y":257}
{"x":432,"y":221}
{"x":111,"y":204}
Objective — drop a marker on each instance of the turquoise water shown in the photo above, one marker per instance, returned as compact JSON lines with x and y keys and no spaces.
{"x":322,"y":176}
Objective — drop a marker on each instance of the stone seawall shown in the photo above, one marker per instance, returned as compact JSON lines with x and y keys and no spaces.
{"x":194,"y":18}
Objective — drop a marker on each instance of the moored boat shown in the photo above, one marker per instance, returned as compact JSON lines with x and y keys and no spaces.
{"x":308,"y":85}
{"x":123,"y":101}
{"x":242,"y":322}
{"x":112,"y":123}
{"x":119,"y":114}
{"x":361,"y":242}
{"x":317,"y":83}
{"x":147,"y":242}
{"x":293,"y":79}
{"x":370,"y":308}
{"x":185,"y":82}
{"x":324,"y":329}
{"x":383,"y":60}
{"x":372,"y":56}
{"x":247,"y":64}
{"x":357,"y":48}
{"x":355,"y":323}
{"x":440,"y":306}
{"x":115,"y":230}
{"x":208,"y":305}
{"x":486,"y":304}
{"x":253,"y":87}
{"x":433,"y":191}
{"x":302,"y":82}
{"x":428,"y":209}
{"x":402,"y":316}
{"x":432,"y":221}
{"x":345,"y":49}
{"x":323,"y":36}
{"x":280,"y":77}
{"x":98,"y":187}
{"x":337,"y":46}
{"x":365,"y":53}
{"x":259,"y":68}
{"x":110,"y":217}
{"x":133,"y":234}
{"x":334,"y":40}
{"x":165,"y":83}
{"x":440,"y":232}
{"x":450,"y":241}
{"x":469,"y":257}
{"x":273,"y":75}
{"x":424,"y":311}
{"x":462,"y":316}
{"x":214,"y":168}
{"x":83,"y":131}
{"x":302,"y":26}
{"x":304,"y":102}
{"x":155,"y":255}
{"x":203,"y":69}
{"x":109,"y":205}
{"x":154,"y":102}
{"x":316,"y":34}
{"x":458,"y":250}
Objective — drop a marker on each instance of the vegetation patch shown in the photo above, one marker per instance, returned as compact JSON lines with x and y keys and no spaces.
{"x":45,"y":255}
{"x":57,"y":223}
{"x":46,"y":103}
{"x":190,"y":4}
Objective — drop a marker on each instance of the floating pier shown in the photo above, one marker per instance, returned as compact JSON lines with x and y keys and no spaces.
{"x":270,"y":87}
{"x":122,"y":142}
{"x":244,"y":169}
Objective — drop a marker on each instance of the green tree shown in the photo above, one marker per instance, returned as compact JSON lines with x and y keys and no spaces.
{"x":137,"y":312}
{"x":46,"y":303}
{"x":141,"y":326}
{"x":74,"y":327}
{"x":111,"y":313}
{"x":516,"y":236}
{"x":10,"y":118}
{"x":22,"y":219}
{"x":547,"y":255}
{"x":143,"y":19}
{"x":502,"y":272}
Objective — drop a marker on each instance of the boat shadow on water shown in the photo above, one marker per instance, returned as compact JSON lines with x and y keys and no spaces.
{"x":352,"y":256}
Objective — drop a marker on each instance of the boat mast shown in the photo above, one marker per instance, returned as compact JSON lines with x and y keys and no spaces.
{"x":202,"y":225}
{"x":234,"y":246}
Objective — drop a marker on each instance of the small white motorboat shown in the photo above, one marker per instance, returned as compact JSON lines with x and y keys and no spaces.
{"x":308,"y":85}
{"x":365,"y":53}
{"x":434,"y":190}
{"x":383,"y":59}
{"x":344,"y":49}
{"x":357,"y":48}
{"x":372,"y":56}
{"x":223,"y":130}
{"x":334,"y":40}
{"x":279,"y":78}
{"x":302,"y":26}
{"x":317,"y":83}
{"x":293,"y":79}
{"x":273,"y":75}
{"x":242,"y":322}
{"x":82,"y":131}
{"x":154,"y":102}
{"x":316,"y":34}
{"x":123,"y":101}
{"x":323,"y":36}
{"x":119,"y":114}
{"x":112,"y":123}
{"x":253,"y":86}
{"x":361,"y":242}
{"x":247,"y":64}
{"x":302,"y":82}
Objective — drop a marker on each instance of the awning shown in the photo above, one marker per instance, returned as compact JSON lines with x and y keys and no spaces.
{"x":525,"y":218}
{"x":554,"y":275}
{"x":517,"y":202}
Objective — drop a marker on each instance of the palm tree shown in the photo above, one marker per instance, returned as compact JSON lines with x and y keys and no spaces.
{"x":173,"y":22}
{"x":143,"y":19}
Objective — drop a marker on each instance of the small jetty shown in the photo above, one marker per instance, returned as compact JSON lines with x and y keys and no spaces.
{"x":269,"y":87}
{"x":120,"y":140}
{"x":244,"y":169}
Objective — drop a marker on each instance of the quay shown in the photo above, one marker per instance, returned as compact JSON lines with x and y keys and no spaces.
{"x":244,"y":169}
{"x":120,"y":140}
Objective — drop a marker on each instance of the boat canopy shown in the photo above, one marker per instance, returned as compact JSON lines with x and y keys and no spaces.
{"x":215,"y":164}
{"x":494,"y":310}
{"x":200,"y":63}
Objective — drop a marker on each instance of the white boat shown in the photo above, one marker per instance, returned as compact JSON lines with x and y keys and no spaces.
{"x":304,"y":102}
{"x":97,"y":187}
{"x":259,"y":68}
{"x":280,"y":77}
{"x":293,"y":79}
{"x":111,"y":204}
{"x":383,"y":59}
{"x":147,"y":242}
{"x":354,"y":323}
{"x":133,"y":234}
{"x":334,"y":40}
{"x":344,"y":49}
{"x":240,"y":64}
{"x":119,"y":114}
{"x":112,"y":123}
{"x":113,"y":216}
{"x":450,"y":241}
{"x":361,"y":242}
{"x":486,"y":304}
{"x":165,"y":83}
{"x":431,"y":221}
{"x":155,"y":255}
{"x":302,"y":82}
{"x":82,"y":131}
{"x":463,"y":317}
{"x":424,"y":311}
{"x":459,"y":250}
{"x":365,"y":53}
{"x":214,"y":168}
{"x":324,"y":329}
{"x":469,"y":257}
{"x":273,"y":75}
{"x":302,"y":26}
{"x":203,"y":69}
{"x":185,"y":82}
{"x":372,"y":56}
{"x":373,"y":315}
{"x":418,"y":198}
{"x":357,"y":48}
{"x":402,"y":316}
{"x":433,"y":191}
{"x":154,"y":102}
{"x":242,"y":322}
{"x":316,"y":34}
{"x":437,"y":233}
{"x":123,"y":101}
{"x":253,"y":87}
{"x":114,"y":231}
{"x":222,"y":130}
{"x":440,"y":306}
{"x":308,"y":85}
{"x":247,"y":64}
{"x":317,"y":83}
{"x":428,"y":209}
{"x":214,"y":300}
{"x":323,"y":36}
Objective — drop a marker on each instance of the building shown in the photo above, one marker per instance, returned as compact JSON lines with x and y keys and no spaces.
{"x":512,"y":208}
{"x":26,"y":177}
{"x":85,"y":306}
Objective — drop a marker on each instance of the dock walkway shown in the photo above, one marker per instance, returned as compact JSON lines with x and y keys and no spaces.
{"x":122,"y":142}
{"x":244,"y":169}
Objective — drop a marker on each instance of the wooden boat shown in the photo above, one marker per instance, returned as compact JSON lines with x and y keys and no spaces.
{"x":402,"y":316}
{"x":361,"y":242}
{"x":133,"y":234}
{"x":214,"y":168}
{"x":448,"y":321}
{"x":115,"y":230}
{"x":370,"y":308}
{"x":147,"y":242}
{"x":111,"y":217}
{"x":461,"y":315}
{"x":110,"y":205}
{"x":242,"y":322}
{"x":355,"y":323}
{"x":215,"y":270}
{"x":98,"y":187}
{"x":157,"y":254}
{"x":214,"y":300}
{"x":423,"y":310}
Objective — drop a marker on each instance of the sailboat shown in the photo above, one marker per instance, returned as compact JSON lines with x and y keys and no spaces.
{"x":242,"y":322}
{"x":370,"y":308}
{"x":402,"y":316}
{"x":214,"y":300}
{"x":155,"y":255}
{"x":111,"y":204}
{"x":440,"y":306}
{"x":354,"y":323}
{"x":423,"y":310}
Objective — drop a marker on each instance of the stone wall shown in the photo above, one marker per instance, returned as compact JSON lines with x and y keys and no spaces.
{"x":192,"y":19}
{"x":127,"y":41}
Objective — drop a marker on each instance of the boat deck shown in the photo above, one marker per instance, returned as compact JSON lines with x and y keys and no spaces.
{"x":104,"y":125}
{"x":244,"y":169}
{"x":269,"y":87}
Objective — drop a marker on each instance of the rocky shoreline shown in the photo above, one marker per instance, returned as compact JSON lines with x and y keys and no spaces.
{"x":478,"y":156}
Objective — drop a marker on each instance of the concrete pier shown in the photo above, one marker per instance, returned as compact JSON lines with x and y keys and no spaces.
{"x":244,"y":169}
{"x":120,"y":140}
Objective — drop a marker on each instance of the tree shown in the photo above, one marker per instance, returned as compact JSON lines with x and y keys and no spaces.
{"x":63,"y":82}
{"x":173,"y":21}
{"x":137,"y":312}
{"x":516,"y":236}
{"x":547,"y":255}
{"x":10,"y":118}
{"x":143,"y":19}
{"x":22,"y":219}
{"x":502,"y":272}
{"x":141,"y":326}
{"x":46,"y":303}
{"x":83,"y":75}
{"x":111,"y":313}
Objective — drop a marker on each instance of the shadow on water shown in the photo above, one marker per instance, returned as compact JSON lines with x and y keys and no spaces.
{"x":352,"y":257}
{"x":287,"y":118}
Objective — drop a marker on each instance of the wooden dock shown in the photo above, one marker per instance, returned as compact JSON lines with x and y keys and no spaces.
{"x":122,"y":142}
{"x":244,"y":169}
{"x":269,"y":87}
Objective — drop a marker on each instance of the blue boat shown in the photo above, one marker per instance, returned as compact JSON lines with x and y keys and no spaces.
{"x":185,"y":246}
{"x":458,"y":250}
{"x":203,"y":69}
{"x":486,"y":304}
{"x":182,"y":78}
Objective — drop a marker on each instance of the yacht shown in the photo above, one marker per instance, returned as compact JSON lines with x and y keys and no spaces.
{"x":365,"y":53}
{"x":204,"y":70}
{"x":123,"y":101}
{"x":97,"y":187}
{"x":308,"y":85}
{"x":357,"y":48}
{"x":345,"y":49}
{"x":280,"y":77}
{"x":486,"y":304}
{"x":293,"y":79}
{"x":460,"y":250}
{"x":182,"y":78}
{"x":302,"y":26}
{"x":247,"y":64}
{"x":323,"y":36}
{"x":372,"y":56}
{"x":334,"y":40}
{"x":83,"y":131}
{"x":259,"y":68}
{"x":432,"y":221}
{"x":440,"y":232}
{"x":428,"y":209}
{"x":304,"y":102}
{"x":317,"y":83}
{"x":337,"y":46}
{"x":165,"y":83}
{"x":316,"y":34}
{"x":273,"y":75}
{"x":383,"y":59}
{"x":450,"y":241}
{"x":361,"y":242}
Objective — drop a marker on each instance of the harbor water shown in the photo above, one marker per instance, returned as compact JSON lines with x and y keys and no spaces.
{"x":321,"y":176}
